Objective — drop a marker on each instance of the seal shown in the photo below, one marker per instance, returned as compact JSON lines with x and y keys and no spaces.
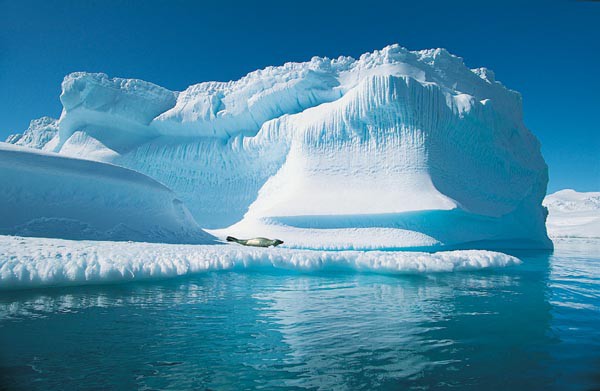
{"x":256,"y":242}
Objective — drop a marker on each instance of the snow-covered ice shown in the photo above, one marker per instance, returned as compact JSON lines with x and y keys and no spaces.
{"x":41,"y":134}
{"x":573,"y":214}
{"x":396,"y":149}
{"x":50,"y":195}
{"x":38,"y":262}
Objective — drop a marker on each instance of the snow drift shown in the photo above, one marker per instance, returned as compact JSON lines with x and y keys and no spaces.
{"x":573,"y":214}
{"x":49,"y":195}
{"x":31,"y":262}
{"x":398,"y":149}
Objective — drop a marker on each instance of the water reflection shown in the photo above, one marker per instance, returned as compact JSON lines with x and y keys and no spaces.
{"x":492,"y":329}
{"x":575,"y":298}
{"x":410,"y":332}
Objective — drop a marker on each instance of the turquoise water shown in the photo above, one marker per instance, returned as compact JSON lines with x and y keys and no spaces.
{"x":532,"y":326}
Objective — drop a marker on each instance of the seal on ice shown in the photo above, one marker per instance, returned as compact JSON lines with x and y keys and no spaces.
{"x":256,"y":242}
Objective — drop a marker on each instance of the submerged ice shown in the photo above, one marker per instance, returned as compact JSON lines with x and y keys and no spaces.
{"x":396,"y":149}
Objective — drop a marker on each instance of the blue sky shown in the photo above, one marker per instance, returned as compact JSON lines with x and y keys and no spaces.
{"x":547,"y":50}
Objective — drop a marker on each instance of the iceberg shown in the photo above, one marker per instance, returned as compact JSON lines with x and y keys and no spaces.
{"x":397,"y":149}
{"x":573,"y":214}
{"x":44,"y":194}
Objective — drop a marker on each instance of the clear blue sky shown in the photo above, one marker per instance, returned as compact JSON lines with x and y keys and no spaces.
{"x":547,"y":50}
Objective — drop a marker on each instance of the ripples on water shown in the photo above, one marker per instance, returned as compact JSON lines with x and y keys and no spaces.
{"x":533,"y":326}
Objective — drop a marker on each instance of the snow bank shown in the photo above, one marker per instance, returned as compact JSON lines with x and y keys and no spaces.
{"x":49,"y":195}
{"x":334,"y":145}
{"x":31,"y":262}
{"x":573,"y":214}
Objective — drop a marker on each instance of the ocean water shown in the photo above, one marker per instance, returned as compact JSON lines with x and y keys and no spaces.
{"x":534,"y":326}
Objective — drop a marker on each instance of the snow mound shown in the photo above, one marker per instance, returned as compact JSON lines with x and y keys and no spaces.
{"x":49,"y":195}
{"x":31,"y":262}
{"x":573,"y":214}
{"x":337,"y":149}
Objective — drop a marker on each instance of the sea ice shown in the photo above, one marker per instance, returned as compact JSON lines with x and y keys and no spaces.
{"x":38,"y":262}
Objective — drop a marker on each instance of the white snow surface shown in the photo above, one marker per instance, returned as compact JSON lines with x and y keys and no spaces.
{"x":38,"y":262}
{"x":50,"y":195}
{"x":573,"y":214}
{"x":395,"y":149}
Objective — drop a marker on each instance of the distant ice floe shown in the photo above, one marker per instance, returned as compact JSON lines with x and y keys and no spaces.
{"x":573,"y":214}
{"x":38,"y":262}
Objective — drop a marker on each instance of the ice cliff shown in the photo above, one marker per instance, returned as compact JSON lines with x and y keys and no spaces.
{"x":396,"y":149}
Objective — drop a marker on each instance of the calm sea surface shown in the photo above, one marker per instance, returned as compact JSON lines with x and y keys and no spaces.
{"x":530,"y":327}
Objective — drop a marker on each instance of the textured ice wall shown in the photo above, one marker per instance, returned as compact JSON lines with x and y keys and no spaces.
{"x":393,"y":146}
{"x":370,"y":141}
